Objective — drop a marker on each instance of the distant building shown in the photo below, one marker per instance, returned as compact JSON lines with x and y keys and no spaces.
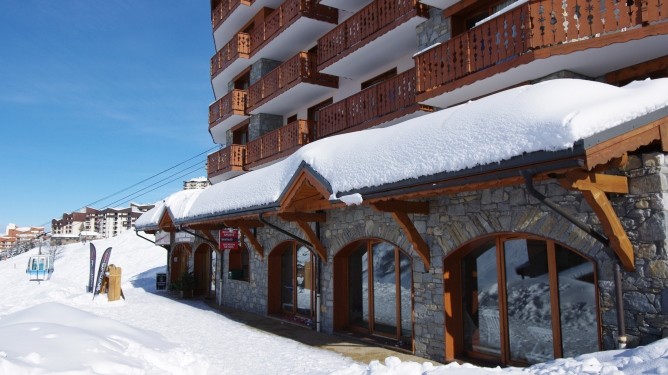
{"x":90,"y":223}
{"x":196,"y":183}
{"x":15,"y":235}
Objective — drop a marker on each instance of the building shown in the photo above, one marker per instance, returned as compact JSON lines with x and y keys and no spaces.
{"x":196,"y":183}
{"x":15,"y":235}
{"x":496,"y":252}
{"x":90,"y":223}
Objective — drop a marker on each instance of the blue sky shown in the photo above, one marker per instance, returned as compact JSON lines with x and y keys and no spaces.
{"x":96,"y":96}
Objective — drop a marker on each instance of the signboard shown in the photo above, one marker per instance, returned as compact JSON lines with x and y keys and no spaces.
{"x":160,"y":281}
{"x":162,"y":238}
{"x":229,"y":239}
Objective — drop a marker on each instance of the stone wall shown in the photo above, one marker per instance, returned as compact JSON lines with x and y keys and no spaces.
{"x":262,"y":67}
{"x":643,"y":214}
{"x":436,"y":29}
{"x":246,"y":295}
{"x":454,"y":220}
{"x":263,"y":123}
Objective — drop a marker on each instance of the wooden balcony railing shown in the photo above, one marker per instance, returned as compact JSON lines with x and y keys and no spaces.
{"x":535,"y":25}
{"x":238,"y":47}
{"x":363,"y":26}
{"x":232,"y":103}
{"x":279,"y":142}
{"x":299,"y":68}
{"x":285,"y":15}
{"x":224,"y":9}
{"x":368,"y":106}
{"x":230,"y":158}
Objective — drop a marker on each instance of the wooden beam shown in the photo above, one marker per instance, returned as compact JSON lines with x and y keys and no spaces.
{"x":581,"y":180}
{"x":254,"y":242}
{"x":320,"y":217}
{"x":400,"y":210}
{"x":248,"y":223}
{"x":408,"y":207}
{"x":619,"y":241}
{"x":313,"y":239}
{"x":593,"y":187}
{"x":414,"y":237}
{"x":211,"y":237}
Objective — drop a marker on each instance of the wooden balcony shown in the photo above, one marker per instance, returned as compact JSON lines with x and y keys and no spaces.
{"x":583,"y":35}
{"x":279,"y":143}
{"x":285,"y":15}
{"x":226,"y":162}
{"x":227,"y":112}
{"x":238,"y":47}
{"x":367,"y":25}
{"x":299,"y":69}
{"x":289,"y":28}
{"x":225,"y":9}
{"x":390,"y":100}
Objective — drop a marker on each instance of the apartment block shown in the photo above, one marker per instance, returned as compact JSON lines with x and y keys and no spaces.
{"x":510,"y":260}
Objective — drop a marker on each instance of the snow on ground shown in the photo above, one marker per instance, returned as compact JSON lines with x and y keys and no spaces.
{"x":55,"y":327}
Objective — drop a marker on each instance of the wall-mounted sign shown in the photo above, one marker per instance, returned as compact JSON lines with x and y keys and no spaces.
{"x":229,"y":239}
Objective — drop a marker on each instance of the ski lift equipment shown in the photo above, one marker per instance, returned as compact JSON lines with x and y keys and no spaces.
{"x":40,"y":267}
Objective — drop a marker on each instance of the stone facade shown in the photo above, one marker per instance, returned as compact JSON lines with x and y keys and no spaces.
{"x":262,"y":67}
{"x":454,"y":220}
{"x":263,"y":123}
{"x":435,"y":30}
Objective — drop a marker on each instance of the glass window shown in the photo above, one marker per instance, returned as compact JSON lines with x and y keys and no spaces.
{"x":528,"y":294}
{"x":379,"y":291}
{"x":515,"y":292}
{"x":577,"y":303}
{"x":481,"y":305}
{"x":292,"y":282}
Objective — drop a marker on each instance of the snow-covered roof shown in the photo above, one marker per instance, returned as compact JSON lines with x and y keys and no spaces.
{"x":176,"y":203}
{"x":548,"y":116}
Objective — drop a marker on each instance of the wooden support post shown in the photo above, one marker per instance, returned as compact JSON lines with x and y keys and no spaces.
{"x":593,"y":187}
{"x":399,"y":211}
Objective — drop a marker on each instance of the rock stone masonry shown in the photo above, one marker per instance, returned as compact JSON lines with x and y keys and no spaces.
{"x":454,"y":220}
{"x":643,"y":214}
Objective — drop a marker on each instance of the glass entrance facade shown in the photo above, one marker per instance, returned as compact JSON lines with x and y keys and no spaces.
{"x":378,"y":291}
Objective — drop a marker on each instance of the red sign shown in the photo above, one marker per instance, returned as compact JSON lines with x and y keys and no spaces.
{"x":229,"y":239}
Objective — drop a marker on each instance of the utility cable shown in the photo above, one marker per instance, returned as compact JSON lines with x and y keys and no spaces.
{"x":148,"y":178}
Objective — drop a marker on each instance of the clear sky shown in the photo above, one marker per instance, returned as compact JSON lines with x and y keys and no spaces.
{"x":96,"y":96}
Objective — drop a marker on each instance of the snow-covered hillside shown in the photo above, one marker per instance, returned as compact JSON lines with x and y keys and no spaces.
{"x":55,"y":327}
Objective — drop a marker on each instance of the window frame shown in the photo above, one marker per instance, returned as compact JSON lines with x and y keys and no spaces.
{"x":454,"y":294}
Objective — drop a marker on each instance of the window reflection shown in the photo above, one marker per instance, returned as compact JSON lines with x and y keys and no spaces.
{"x":577,"y":306}
{"x":544,"y":286}
{"x":481,"y":305}
{"x":380,"y":291}
{"x":528,"y":294}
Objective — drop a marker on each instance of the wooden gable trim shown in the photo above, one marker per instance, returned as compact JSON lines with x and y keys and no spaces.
{"x":305,"y":179}
{"x":166,"y":224}
{"x":604,"y":152}
{"x":399,"y":211}
{"x":302,"y":220}
{"x":593,"y":188}
{"x":245,"y":228}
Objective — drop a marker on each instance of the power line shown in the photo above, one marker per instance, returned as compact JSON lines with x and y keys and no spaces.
{"x":158,"y":187}
{"x":190,"y":168}
{"x":147,"y":179}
